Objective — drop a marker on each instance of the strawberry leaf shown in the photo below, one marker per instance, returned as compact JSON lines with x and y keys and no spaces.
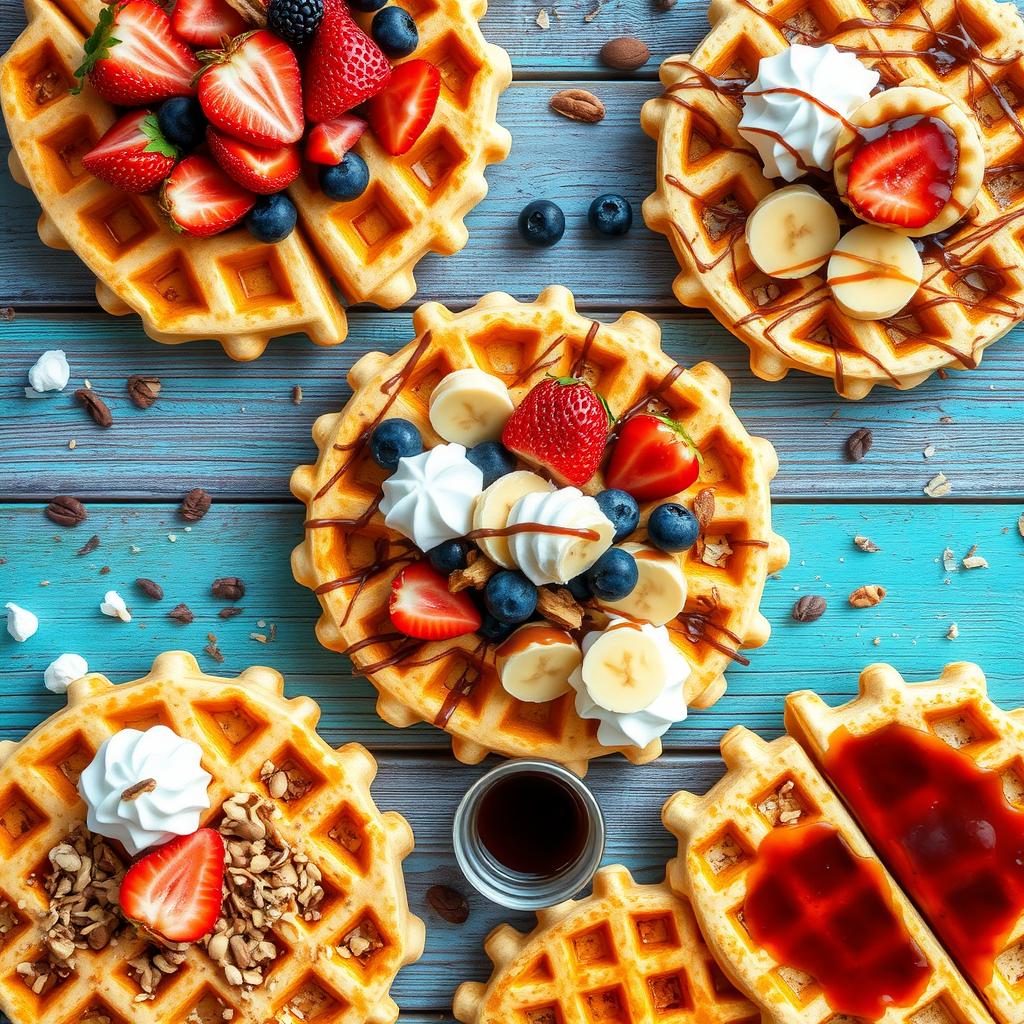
{"x":681,"y":431}
{"x":98,"y":45}
{"x":150,"y":127}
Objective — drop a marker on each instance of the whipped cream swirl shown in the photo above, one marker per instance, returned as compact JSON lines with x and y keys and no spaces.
{"x":50,"y":372}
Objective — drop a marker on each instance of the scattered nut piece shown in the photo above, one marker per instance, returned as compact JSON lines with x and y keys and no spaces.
{"x":231,"y":588}
{"x":212,"y":649}
{"x":95,"y":407}
{"x":625,"y":53}
{"x":938,"y":487}
{"x":578,"y":105}
{"x":475,"y":575}
{"x":664,"y":5}
{"x":953,"y":632}
{"x":865,"y":544}
{"x":929,"y":451}
{"x":973,"y":561}
{"x":543,"y":18}
{"x":89,"y":546}
{"x":181,"y":613}
{"x":809,"y":608}
{"x":858,"y":444}
{"x":449,"y":904}
{"x":195,"y":505}
{"x":867,"y":596}
{"x":949,"y":560}
{"x":143,"y":391}
{"x":150,"y":588}
{"x":715,"y":551}
{"x":559,"y":606}
{"x":66,"y":511}
{"x":704,"y":507}
{"x":296,"y":395}
{"x":1020,"y":525}
{"x":592,"y":14}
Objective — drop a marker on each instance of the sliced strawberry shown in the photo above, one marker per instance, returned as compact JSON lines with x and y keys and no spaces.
{"x":206,"y":22}
{"x":344,"y":66}
{"x":133,"y":56}
{"x":653,"y":458}
{"x":422,"y":606}
{"x":330,"y":140}
{"x":400,"y":114}
{"x":175,"y":891}
{"x":261,"y":170}
{"x":132,"y":155}
{"x":905,"y":177}
{"x":252,"y":90}
{"x":202,"y":200}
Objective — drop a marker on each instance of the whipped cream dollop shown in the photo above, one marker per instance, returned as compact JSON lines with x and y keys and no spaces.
{"x":63,"y":671}
{"x":50,"y":372}
{"x":793,"y":110}
{"x":557,"y":557}
{"x":144,"y":788}
{"x":21,"y":623}
{"x":429,"y":497}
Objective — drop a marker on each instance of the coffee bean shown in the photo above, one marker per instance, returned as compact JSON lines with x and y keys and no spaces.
{"x":66,"y":511}
{"x":150,"y":589}
{"x":858,"y":444}
{"x":449,"y":904}
{"x":809,"y":609}
{"x":95,"y":407}
{"x":195,"y":505}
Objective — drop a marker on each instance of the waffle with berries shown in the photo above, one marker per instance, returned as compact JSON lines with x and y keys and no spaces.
{"x":334,"y":956}
{"x":628,"y":952}
{"x":349,"y":558}
{"x":709,"y":179}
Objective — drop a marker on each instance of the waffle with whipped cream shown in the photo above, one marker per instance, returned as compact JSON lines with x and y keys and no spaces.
{"x":315,"y":923}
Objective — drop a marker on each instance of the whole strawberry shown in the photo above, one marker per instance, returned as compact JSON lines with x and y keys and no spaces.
{"x":562,"y":426}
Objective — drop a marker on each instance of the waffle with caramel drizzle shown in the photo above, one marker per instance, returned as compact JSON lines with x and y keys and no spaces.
{"x":335,"y":966}
{"x":231,"y":287}
{"x":709,"y":179}
{"x":629,"y":952}
{"x":772,"y":801}
{"x":349,"y":558}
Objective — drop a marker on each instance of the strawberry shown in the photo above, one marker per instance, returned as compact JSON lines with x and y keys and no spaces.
{"x":261,"y":170}
{"x":133,"y":56}
{"x":206,"y":22}
{"x":330,"y":140}
{"x":202,"y":200}
{"x":175,"y":891}
{"x":132,"y":155}
{"x":252,"y":90}
{"x":344,"y":66}
{"x":421,"y":605}
{"x":400,"y":114}
{"x":561,"y":425}
{"x":653,"y":458}
{"x":905,"y":177}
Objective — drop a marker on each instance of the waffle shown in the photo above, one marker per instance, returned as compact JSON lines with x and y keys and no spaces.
{"x":628,"y":953}
{"x":231,"y":287}
{"x":348,"y":557}
{"x":709,"y":179}
{"x":240,"y":723}
{"x":769,"y":789}
{"x":954,"y":709}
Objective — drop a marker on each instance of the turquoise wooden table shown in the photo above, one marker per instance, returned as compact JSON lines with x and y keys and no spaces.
{"x":235,"y":431}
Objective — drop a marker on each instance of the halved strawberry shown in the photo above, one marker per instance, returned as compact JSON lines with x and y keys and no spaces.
{"x":202,"y":200}
{"x":133,"y":154}
{"x":905,"y":177}
{"x":400,"y":114}
{"x":133,"y":56}
{"x":262,"y":170}
{"x":206,"y":22}
{"x":330,"y":140}
{"x":175,"y":891}
{"x":252,"y":90}
{"x":421,"y":605}
{"x":653,"y":458}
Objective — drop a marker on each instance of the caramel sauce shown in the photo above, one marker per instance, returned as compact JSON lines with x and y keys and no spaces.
{"x":583,"y":533}
{"x":543,"y":635}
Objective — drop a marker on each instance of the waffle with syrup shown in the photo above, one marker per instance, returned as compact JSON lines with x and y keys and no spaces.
{"x":327,"y":812}
{"x":349,"y":558}
{"x":629,"y":952}
{"x":709,"y":179}
{"x":232,"y":288}
{"x":772,"y":791}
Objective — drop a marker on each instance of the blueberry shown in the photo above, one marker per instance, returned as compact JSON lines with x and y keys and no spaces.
{"x":610,"y":215}
{"x":672,"y":527}
{"x":182,"y":122}
{"x":395,"y":32}
{"x":614,"y":575}
{"x":367,"y":6}
{"x":295,"y":21}
{"x":493,"y":459}
{"x":580,"y":588}
{"x":623,"y":511}
{"x":510,"y":597}
{"x":541,"y":223}
{"x":393,"y":440}
{"x":272,"y":219}
{"x":347,"y":180}
{"x":492,"y":629}
{"x":448,"y":557}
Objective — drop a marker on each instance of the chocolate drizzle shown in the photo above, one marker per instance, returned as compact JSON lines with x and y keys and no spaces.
{"x":579,"y":367}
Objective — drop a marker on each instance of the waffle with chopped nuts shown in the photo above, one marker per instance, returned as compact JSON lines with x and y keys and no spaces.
{"x":314,"y":924}
{"x":232,"y":288}
{"x":349,"y":558}
{"x":709,"y":179}
{"x":629,"y":952}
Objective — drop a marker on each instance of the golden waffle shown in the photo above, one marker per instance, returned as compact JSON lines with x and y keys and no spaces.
{"x":709,"y":179}
{"x":231,"y":287}
{"x":349,"y":558}
{"x":954,"y":709}
{"x":770,"y":788}
{"x":627,"y":953}
{"x":240,"y":724}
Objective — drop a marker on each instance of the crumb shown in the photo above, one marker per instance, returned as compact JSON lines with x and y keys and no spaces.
{"x":953,"y":632}
{"x":929,"y":451}
{"x":938,"y":487}
{"x":543,"y":19}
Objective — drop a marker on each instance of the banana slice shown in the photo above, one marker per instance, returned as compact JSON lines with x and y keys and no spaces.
{"x":535,"y":663}
{"x":660,"y":593}
{"x":494,"y":505}
{"x":470,"y":406}
{"x":792,"y":232}
{"x":624,"y":671}
{"x":874,"y":272}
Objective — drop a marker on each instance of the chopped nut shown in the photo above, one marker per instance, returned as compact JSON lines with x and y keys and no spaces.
{"x":867,"y":596}
{"x":865,"y":544}
{"x":715,"y":551}
{"x":475,"y":575}
{"x":578,"y":105}
{"x":972,"y":561}
{"x":134,"y":792}
{"x":938,"y":487}
{"x":296,"y":395}
{"x":704,"y":507}
{"x":1020,"y":525}
{"x":809,"y":608}
{"x":953,"y":632}
{"x":858,"y":444}
{"x":559,"y":606}
{"x":543,"y":18}
{"x":929,"y":451}
{"x":195,"y":505}
{"x":143,"y":391}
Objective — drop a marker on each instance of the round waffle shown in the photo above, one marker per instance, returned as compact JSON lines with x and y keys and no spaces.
{"x":231,"y":287}
{"x":349,"y":558}
{"x":327,"y":812}
{"x":709,"y":179}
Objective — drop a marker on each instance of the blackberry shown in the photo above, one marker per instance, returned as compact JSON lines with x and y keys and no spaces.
{"x":295,"y":21}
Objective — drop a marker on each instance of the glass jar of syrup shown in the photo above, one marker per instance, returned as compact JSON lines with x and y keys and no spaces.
{"x":529,"y":834}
